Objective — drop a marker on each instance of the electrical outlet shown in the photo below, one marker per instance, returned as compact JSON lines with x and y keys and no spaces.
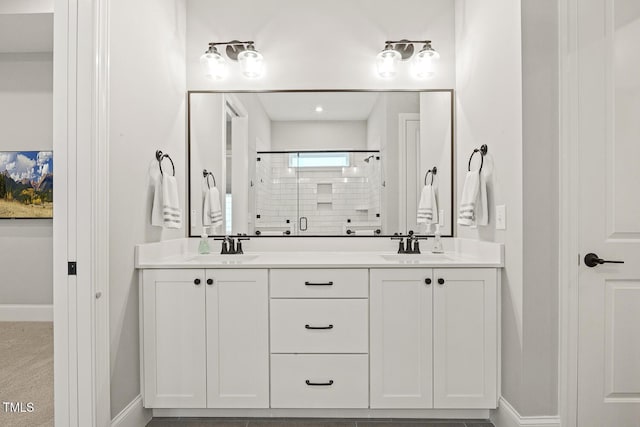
{"x":501,"y":217}
{"x":441,"y":218}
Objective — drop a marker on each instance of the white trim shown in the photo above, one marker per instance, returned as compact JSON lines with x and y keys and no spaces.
{"x":327,"y":413}
{"x":26,"y":312}
{"x":507,"y":416}
{"x":133,"y":415}
{"x":100,"y":221}
{"x":568,"y":212}
{"x":63,"y":77}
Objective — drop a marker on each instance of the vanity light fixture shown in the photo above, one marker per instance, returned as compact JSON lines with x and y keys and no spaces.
{"x":423,"y":66}
{"x":244,"y":52}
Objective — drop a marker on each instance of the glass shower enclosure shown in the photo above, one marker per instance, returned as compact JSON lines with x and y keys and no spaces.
{"x":318,"y":193}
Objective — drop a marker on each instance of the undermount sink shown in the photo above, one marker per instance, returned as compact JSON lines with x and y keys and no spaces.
{"x":416,"y":258}
{"x":222,"y":259}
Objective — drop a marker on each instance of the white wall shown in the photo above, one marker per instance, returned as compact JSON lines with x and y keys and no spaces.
{"x":540,"y":174}
{"x":330,"y":44}
{"x":147,"y":112}
{"x":26,"y":124}
{"x":319,"y":135}
{"x":489,"y":111}
{"x":508,"y":99}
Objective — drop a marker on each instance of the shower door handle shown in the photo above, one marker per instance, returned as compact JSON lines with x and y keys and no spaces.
{"x":306,"y":221}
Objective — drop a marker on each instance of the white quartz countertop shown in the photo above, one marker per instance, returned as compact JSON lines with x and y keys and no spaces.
{"x":183,"y":256}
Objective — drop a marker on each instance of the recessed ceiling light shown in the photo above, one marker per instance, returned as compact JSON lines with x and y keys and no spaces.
{"x":319,"y":109}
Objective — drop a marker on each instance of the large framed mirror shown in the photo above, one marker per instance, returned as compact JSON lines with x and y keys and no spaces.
{"x":320,"y":163}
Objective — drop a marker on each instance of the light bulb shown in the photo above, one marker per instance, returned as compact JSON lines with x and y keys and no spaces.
{"x":251,"y":62}
{"x":213,"y":64}
{"x":387,"y":62}
{"x":424,"y":64}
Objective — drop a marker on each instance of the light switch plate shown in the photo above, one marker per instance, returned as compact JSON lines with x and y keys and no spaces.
{"x":441,"y":218}
{"x":501,"y":217}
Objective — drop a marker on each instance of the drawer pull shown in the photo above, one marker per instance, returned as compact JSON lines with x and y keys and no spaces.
{"x":318,"y":327}
{"x":318,"y":284}
{"x":320,"y":384}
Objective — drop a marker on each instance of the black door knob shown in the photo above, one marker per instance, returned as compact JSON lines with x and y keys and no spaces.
{"x":197,"y":281}
{"x":209,"y":281}
{"x":591,"y":260}
{"x":427,"y":281}
{"x":441,"y":281}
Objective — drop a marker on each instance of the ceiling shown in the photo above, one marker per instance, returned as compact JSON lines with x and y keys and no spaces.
{"x":26,"y":32}
{"x":292,"y":106}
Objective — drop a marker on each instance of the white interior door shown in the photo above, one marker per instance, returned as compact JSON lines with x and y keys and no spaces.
{"x":239,"y":174}
{"x":410,"y":188}
{"x":609,"y":212}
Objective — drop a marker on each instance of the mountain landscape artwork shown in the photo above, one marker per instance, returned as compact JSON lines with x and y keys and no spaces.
{"x":26,"y":184}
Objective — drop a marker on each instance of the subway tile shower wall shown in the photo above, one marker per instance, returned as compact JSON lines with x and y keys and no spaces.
{"x":317,"y":200}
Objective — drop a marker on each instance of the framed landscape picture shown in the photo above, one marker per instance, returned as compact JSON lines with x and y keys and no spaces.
{"x":26,"y":184}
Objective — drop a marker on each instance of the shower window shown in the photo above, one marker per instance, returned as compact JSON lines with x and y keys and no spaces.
{"x":318,"y":160}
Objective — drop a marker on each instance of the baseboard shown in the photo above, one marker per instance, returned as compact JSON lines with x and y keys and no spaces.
{"x":507,"y":416}
{"x":133,"y":415}
{"x":26,"y":313}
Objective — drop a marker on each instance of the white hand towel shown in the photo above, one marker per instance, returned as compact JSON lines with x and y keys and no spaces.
{"x":428,"y":206}
{"x":482,"y":217}
{"x":213,"y":207}
{"x":469,"y":199}
{"x":171,"y":213}
{"x":206,"y":207}
{"x":156,"y":208}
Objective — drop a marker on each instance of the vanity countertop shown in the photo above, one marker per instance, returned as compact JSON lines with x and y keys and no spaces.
{"x":462,"y":254}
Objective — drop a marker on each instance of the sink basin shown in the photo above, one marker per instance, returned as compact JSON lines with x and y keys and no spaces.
{"x":222,"y":259}
{"x":416,"y":258}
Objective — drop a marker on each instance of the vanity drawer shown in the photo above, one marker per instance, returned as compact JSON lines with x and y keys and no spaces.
{"x":319,"y":283}
{"x":319,"y":381}
{"x":319,"y":326}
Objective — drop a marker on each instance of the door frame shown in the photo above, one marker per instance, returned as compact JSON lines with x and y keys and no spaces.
{"x":80,"y":223}
{"x":568,"y":271}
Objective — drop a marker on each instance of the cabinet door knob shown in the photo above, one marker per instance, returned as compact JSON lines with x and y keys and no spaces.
{"x":209,"y":281}
{"x":441,"y":281}
{"x":197,"y":281}
{"x":427,"y":281}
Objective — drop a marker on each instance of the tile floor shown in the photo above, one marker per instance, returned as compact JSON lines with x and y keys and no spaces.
{"x":298,"y":422}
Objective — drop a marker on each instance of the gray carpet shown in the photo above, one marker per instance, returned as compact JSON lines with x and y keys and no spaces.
{"x":26,"y":373}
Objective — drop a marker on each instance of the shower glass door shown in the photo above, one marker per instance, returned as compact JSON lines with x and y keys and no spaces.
{"x":319,"y":193}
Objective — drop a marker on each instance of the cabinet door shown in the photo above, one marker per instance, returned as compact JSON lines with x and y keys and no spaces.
{"x":401,"y":338}
{"x":237,"y":338}
{"x":174,"y":360}
{"x":465,"y":338}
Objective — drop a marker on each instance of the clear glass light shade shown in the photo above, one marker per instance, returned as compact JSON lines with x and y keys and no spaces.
{"x":424,"y":63}
{"x":387,"y":63}
{"x":251,"y":63}
{"x":214,"y":65}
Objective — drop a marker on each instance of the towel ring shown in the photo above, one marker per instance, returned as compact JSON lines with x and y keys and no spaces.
{"x":206,"y":174}
{"x":161,"y":156}
{"x":433,"y":171}
{"x":483,"y":152}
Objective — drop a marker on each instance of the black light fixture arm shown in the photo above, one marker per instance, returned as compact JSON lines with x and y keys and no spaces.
{"x":232,"y":43}
{"x":407,"y":41}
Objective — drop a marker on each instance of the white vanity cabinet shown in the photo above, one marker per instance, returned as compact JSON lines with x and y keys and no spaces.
{"x":434,"y":338}
{"x":401,"y":331}
{"x":205,"y":338}
{"x":319,"y":338}
{"x":465,"y":338}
